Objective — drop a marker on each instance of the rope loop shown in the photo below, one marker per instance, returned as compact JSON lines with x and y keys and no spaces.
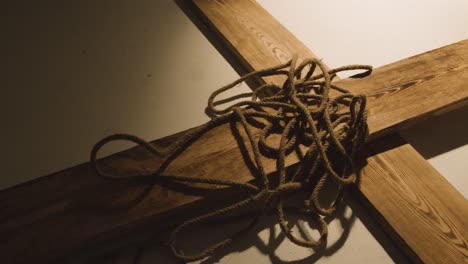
{"x":321,"y":123}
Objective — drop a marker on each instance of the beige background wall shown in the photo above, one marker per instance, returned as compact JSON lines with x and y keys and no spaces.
{"x":77,"y":71}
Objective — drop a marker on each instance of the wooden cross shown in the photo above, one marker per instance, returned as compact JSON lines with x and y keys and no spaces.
{"x":423,"y":213}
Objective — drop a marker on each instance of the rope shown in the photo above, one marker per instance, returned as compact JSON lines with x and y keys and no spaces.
{"x":321,"y":122}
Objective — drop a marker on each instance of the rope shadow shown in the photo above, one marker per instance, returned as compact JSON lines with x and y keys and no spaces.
{"x":271,"y":247}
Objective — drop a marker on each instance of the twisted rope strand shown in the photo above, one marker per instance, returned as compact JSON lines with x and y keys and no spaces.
{"x":330,"y":129}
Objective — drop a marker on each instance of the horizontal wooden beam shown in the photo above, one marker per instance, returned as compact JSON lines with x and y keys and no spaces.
{"x":414,"y":88}
{"x":74,"y":208}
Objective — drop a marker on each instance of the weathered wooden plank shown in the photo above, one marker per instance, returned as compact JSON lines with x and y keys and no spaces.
{"x":415,"y":87}
{"x":244,"y":44}
{"x":72,"y":208}
{"x":416,"y":205}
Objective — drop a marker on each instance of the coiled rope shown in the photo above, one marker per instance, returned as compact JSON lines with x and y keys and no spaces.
{"x":325,"y":123}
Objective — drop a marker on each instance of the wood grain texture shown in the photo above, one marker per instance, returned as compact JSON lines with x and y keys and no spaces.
{"x":413,"y":88}
{"x":246,"y":35}
{"x":425,"y":215}
{"x":54,"y":215}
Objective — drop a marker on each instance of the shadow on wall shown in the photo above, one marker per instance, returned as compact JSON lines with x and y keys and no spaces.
{"x":440,"y":133}
{"x":82,"y":70}
{"x":265,"y":239}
